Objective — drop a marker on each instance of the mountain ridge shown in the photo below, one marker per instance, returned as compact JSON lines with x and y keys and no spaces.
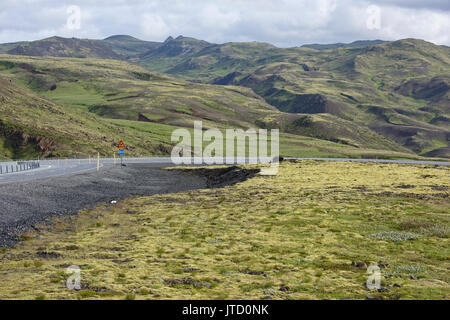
{"x":397,"y":89}
{"x":65,"y":47}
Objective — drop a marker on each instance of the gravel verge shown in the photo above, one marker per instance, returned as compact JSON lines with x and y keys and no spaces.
{"x":23,"y":205}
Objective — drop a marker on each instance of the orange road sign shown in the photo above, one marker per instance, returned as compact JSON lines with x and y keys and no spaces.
{"x":121,"y":145}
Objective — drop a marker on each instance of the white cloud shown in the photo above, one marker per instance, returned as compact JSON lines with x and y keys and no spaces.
{"x":220,"y":18}
{"x":424,"y":24}
{"x":154,"y":27}
{"x":281,"y":22}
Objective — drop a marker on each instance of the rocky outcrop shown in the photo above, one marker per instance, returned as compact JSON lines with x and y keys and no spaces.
{"x":21,"y":144}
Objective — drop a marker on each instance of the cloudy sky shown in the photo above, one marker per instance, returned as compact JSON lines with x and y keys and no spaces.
{"x":281,"y":22}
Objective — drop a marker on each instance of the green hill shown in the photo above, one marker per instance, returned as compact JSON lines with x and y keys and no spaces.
{"x":171,"y":53}
{"x":398,"y":89}
{"x":5,"y":47}
{"x":354,"y":44}
{"x":32,"y":126}
{"x":128,"y":46}
{"x":114,"y":100}
{"x":367,"y":94}
{"x":63,"y":47}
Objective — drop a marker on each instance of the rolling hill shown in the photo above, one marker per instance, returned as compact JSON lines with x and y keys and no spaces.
{"x":398,"y":89}
{"x":128,"y":46}
{"x":32,"y":126}
{"x":354,"y":44}
{"x":63,"y":47}
{"x":113,"y":100}
{"x":376,"y":95}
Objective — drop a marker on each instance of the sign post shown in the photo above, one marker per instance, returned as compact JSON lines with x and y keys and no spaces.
{"x":121,"y":147}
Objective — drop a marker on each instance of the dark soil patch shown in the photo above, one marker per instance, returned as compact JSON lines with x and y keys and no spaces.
{"x":405,"y":186}
{"x":217,"y":178}
{"x":439,"y":188}
{"x":48,"y":255}
{"x":254,"y":273}
{"x":187,"y":282}
{"x":410,"y":195}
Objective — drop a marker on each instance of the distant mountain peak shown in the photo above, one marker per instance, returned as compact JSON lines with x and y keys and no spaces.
{"x":65,"y":47}
{"x":169,"y":38}
{"x":120,"y":37}
{"x":53,"y":38}
{"x":354,"y":44}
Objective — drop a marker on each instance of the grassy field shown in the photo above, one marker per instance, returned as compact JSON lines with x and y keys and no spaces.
{"x":308,"y":233}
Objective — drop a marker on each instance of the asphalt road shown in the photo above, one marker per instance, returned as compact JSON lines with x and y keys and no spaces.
{"x":67,"y":167}
{"x":63,"y":187}
{"x":32,"y":197}
{"x":58,"y":168}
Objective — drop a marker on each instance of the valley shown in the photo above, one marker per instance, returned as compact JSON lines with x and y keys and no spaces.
{"x":366,"y":99}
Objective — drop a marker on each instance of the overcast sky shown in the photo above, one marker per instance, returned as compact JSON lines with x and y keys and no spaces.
{"x":284,"y":23}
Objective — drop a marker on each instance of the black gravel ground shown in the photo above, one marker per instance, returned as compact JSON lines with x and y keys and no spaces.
{"x":25,"y":204}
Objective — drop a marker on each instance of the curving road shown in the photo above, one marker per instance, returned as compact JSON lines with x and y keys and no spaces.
{"x":62,"y":187}
{"x":67,"y":167}
{"x":59,"y":189}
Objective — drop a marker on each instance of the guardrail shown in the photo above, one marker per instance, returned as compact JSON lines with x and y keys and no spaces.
{"x":19,"y":166}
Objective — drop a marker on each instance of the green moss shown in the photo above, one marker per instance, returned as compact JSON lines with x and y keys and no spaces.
{"x":234,"y":243}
